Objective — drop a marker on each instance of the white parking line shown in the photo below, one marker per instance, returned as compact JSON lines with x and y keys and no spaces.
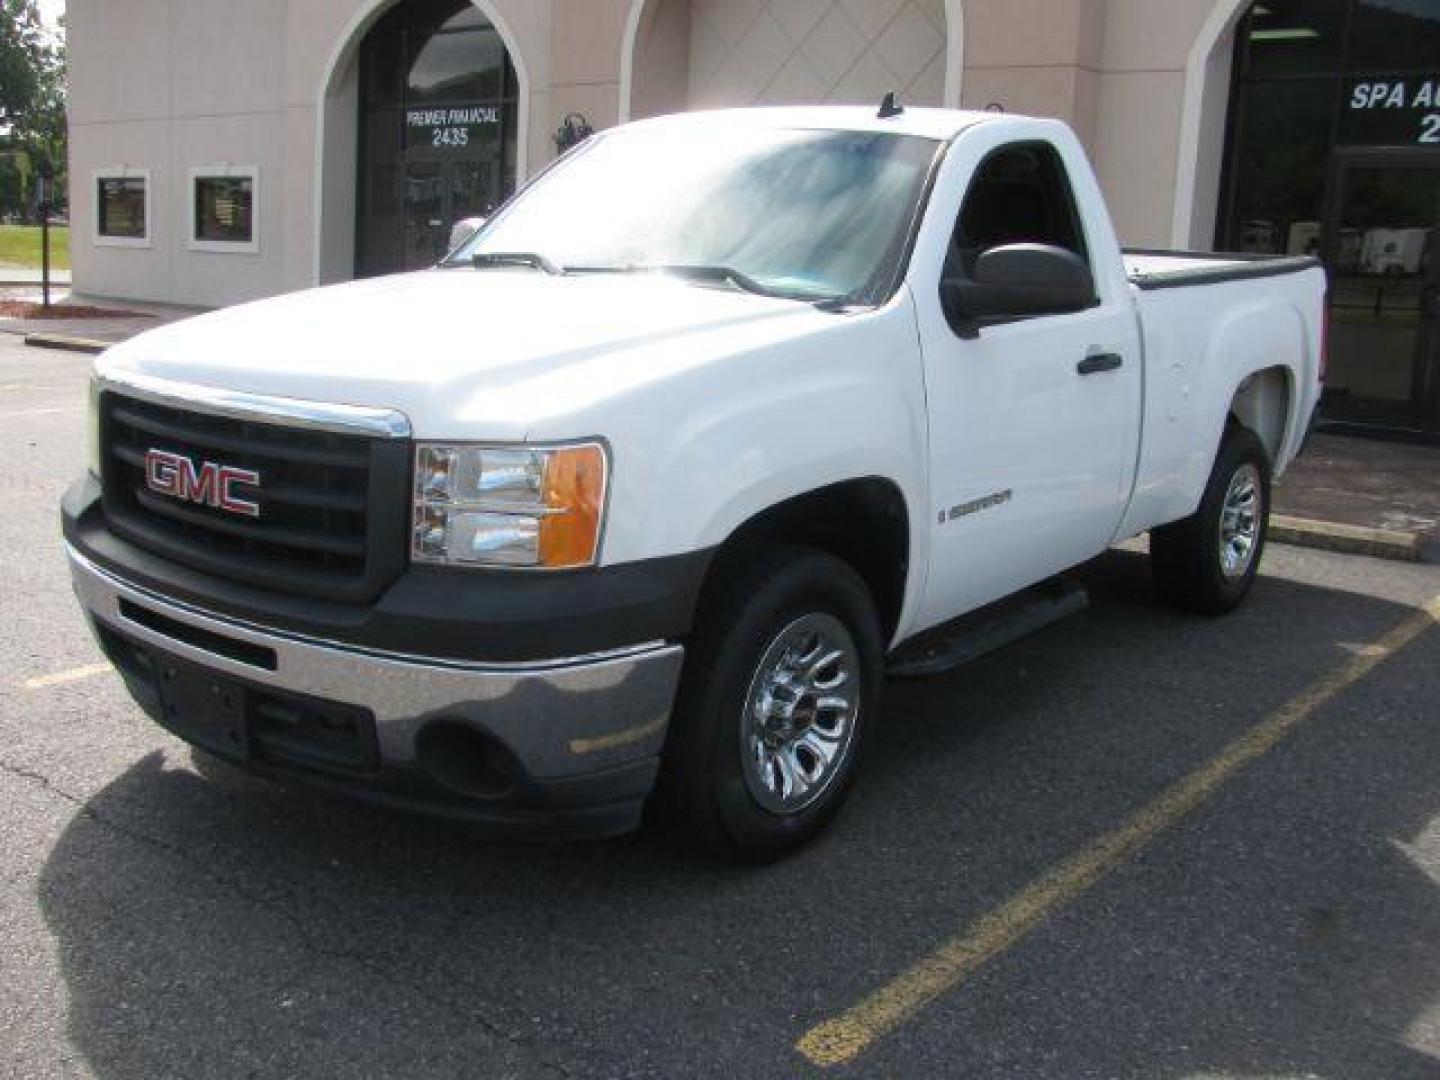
{"x":60,"y":678}
{"x":42,"y":412}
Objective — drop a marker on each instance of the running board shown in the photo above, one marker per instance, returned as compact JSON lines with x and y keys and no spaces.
{"x":958,"y":642}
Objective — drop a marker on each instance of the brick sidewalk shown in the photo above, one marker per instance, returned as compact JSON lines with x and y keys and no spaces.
{"x":137,"y":318}
{"x":1389,"y":486}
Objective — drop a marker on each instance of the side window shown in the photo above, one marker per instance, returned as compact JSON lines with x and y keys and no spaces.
{"x":1019,"y":195}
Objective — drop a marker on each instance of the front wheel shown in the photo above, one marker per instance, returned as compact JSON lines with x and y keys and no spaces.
{"x":781,"y":684}
{"x":1208,"y":562}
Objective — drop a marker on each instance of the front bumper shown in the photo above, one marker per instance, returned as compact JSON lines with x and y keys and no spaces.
{"x":486,"y":616}
{"x":564,"y":747}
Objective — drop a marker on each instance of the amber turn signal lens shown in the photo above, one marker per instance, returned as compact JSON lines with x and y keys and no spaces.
{"x":575,"y":497}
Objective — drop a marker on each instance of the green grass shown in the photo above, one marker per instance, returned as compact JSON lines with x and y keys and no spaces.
{"x":20,"y":246}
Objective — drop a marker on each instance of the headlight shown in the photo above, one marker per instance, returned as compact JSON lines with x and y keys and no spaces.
{"x":539,"y":507}
{"x":92,"y":429}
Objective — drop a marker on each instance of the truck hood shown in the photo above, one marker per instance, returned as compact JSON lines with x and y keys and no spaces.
{"x":497,"y":353}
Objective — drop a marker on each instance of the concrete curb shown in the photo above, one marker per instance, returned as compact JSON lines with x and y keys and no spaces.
{"x":68,"y":343}
{"x":1353,"y":539}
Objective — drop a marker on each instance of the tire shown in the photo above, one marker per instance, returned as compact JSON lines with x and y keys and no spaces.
{"x":1207,"y":563}
{"x":749,"y":721}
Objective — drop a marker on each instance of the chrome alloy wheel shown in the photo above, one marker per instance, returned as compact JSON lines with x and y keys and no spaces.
{"x":1240,"y":518}
{"x":800,"y":713}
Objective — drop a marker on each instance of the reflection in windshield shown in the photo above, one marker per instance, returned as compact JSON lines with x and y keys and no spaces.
{"x":814,"y":214}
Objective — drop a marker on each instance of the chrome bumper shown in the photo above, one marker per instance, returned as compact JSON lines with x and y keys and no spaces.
{"x":561,"y":718}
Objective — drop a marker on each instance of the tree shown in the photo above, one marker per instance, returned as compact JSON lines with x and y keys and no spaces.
{"x":32,"y":89}
{"x":24,"y":52}
{"x":14,"y":180}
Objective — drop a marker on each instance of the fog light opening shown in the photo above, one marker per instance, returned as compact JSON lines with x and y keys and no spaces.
{"x":467,"y":761}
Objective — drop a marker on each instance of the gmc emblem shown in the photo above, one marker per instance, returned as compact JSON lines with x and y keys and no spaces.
{"x":211,"y":484}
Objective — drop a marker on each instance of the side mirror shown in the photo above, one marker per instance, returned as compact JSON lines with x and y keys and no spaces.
{"x":464,"y":229}
{"x":1018,"y":281}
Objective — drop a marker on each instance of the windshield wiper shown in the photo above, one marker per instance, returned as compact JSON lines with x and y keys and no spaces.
{"x":722,"y":275}
{"x":489,"y":260}
{"x":719,"y":275}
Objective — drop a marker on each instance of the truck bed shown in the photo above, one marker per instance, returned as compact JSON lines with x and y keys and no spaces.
{"x":1157,"y":269}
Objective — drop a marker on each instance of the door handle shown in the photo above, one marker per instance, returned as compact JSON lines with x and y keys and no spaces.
{"x":1093,"y":365}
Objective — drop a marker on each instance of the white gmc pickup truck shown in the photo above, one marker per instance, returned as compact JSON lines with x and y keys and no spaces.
{"x":632,"y":497}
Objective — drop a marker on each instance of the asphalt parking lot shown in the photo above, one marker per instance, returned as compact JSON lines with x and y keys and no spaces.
{"x":1140,"y":844}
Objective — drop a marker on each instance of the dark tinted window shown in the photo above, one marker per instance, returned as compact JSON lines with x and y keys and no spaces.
{"x":122,"y":207}
{"x":382,"y":64}
{"x":225,"y":209}
{"x":1019,"y":195}
{"x":431,"y":51}
{"x":1294,"y":37}
{"x":1396,"y":35}
{"x":1281,"y":155}
{"x":457,"y":65}
{"x":1312,"y":77}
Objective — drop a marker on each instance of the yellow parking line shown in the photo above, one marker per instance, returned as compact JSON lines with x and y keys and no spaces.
{"x":840,"y":1040}
{"x":60,"y":678}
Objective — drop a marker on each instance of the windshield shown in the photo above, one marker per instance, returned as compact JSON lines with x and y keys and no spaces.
{"x":803,"y":213}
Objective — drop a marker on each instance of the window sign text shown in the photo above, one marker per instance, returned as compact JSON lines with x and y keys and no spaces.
{"x":1392,"y":112}
{"x":451,"y":127}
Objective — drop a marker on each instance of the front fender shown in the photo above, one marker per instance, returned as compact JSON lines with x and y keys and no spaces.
{"x":724,"y":441}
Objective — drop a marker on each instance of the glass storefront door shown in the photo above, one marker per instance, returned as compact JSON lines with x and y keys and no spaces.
{"x":438,"y":109}
{"x":438,"y":193}
{"x":1381,"y":233}
{"x":474,"y":188}
{"x":424,"y":202}
{"x":1334,"y":149}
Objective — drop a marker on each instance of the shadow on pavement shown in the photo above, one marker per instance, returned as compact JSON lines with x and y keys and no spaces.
{"x":209,"y":923}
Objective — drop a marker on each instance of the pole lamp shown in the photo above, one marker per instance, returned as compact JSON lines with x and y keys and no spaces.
{"x":46,"y":173}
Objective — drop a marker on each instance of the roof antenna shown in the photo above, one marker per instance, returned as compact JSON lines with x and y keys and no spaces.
{"x":890,"y":107}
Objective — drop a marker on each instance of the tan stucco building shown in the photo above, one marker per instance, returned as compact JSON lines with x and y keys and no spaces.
{"x":223,"y":151}
{"x":164,"y":87}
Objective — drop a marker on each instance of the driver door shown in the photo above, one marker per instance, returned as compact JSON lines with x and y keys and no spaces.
{"x":1033,"y":420}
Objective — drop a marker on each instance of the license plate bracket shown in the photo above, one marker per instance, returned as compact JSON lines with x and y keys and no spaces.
{"x":203,"y":708}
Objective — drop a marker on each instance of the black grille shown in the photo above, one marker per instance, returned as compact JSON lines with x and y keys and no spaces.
{"x":333,"y":507}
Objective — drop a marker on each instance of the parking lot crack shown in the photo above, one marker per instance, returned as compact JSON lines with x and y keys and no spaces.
{"x":41,"y":780}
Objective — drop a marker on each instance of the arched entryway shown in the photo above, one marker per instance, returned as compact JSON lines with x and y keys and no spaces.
{"x":422,"y":123}
{"x":1202,"y":126}
{"x":438,"y":105}
{"x":692,"y":54}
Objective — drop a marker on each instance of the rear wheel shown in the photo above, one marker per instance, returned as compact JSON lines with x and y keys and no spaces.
{"x":1207,"y":563}
{"x":781,"y":683}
